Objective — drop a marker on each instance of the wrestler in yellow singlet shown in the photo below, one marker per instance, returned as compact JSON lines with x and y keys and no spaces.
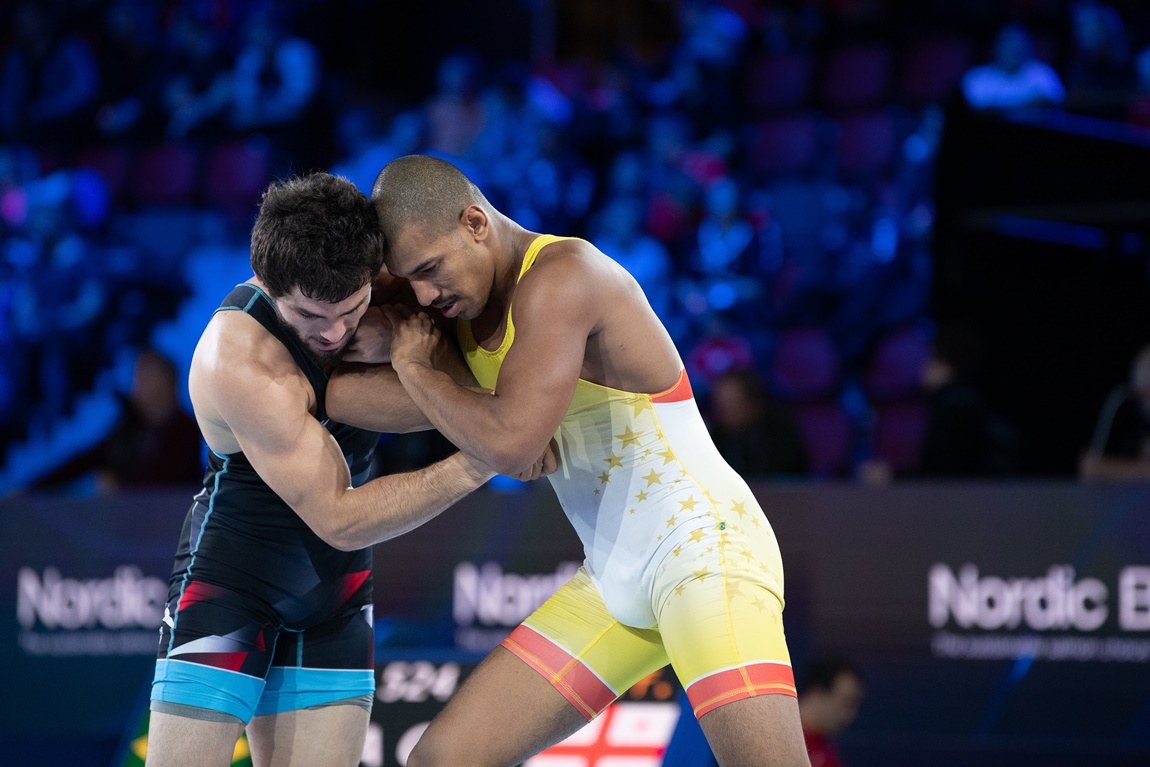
{"x":681,"y":564}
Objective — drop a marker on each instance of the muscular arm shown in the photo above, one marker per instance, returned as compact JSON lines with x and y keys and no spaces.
{"x":372,"y":397}
{"x":264,"y":403}
{"x":556,"y":309}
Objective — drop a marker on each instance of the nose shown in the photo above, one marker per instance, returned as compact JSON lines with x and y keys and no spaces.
{"x":335,"y":331}
{"x":424,"y":293}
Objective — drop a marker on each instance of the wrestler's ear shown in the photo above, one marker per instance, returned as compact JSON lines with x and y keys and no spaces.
{"x":475,"y":219}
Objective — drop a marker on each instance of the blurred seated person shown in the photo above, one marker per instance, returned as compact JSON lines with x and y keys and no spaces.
{"x":1099,"y":70}
{"x":130,"y":64}
{"x":964,"y":436}
{"x":275,"y":91}
{"x":154,"y":443}
{"x":1120,"y":450}
{"x":195,"y":81}
{"x":830,"y":692}
{"x":756,"y":436}
{"x":724,"y":263}
{"x":49,"y":79}
{"x":1138,"y":111}
{"x":1013,"y":77}
{"x":618,"y":228}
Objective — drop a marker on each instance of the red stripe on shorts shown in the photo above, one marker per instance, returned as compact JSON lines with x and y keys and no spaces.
{"x":577,"y":683}
{"x":722,"y":687}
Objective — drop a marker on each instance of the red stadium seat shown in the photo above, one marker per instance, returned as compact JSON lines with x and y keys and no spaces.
{"x":897,"y":433}
{"x":896,"y":365}
{"x":805,"y":365}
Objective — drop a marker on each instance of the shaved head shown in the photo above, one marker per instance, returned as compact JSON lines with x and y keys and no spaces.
{"x":425,"y":192}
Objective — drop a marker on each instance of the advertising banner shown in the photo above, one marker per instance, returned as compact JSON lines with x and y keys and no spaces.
{"x":994,"y":623}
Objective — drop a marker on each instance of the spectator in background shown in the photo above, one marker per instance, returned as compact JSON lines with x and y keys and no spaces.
{"x":756,"y":436}
{"x":154,"y":443}
{"x":725,"y":259}
{"x":130,"y":61}
{"x":1099,"y":74}
{"x":48,"y":79}
{"x":1138,"y":112}
{"x":455,"y":111}
{"x":830,"y":692}
{"x":1120,"y":450}
{"x":1013,"y":77}
{"x":275,"y":84}
{"x":195,"y":82}
{"x":617,"y":229}
{"x":964,"y":437}
{"x":60,"y":296}
{"x":366,"y":142}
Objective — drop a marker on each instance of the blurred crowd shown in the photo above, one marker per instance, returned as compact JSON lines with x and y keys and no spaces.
{"x":763,"y":168}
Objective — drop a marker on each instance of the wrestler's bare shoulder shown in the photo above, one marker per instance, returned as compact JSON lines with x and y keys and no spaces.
{"x":576,"y":259}
{"x":236,"y":342}
{"x":239,"y":369}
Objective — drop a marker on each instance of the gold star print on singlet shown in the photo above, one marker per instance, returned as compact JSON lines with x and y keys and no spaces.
{"x":689,"y":504}
{"x":628,"y":437}
{"x":614,"y":461}
{"x":653,"y":477}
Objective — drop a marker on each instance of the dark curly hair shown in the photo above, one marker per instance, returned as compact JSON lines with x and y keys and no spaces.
{"x":318,"y":233}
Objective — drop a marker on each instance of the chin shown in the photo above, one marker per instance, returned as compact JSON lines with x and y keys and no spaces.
{"x":327,"y":357}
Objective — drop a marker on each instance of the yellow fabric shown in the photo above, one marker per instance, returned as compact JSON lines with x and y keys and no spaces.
{"x":675,"y":541}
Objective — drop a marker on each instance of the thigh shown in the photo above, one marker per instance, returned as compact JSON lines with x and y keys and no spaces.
{"x":586,"y":654}
{"x":763,"y":731}
{"x":327,"y":736}
{"x":723,"y":630}
{"x":503,"y":714}
{"x":175,"y":741}
{"x":562,"y":667}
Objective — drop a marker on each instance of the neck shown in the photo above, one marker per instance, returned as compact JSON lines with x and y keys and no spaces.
{"x":509,"y":242}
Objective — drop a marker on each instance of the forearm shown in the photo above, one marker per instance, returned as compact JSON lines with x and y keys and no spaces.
{"x":394,"y":504}
{"x":372,"y":397}
{"x":471,"y":419}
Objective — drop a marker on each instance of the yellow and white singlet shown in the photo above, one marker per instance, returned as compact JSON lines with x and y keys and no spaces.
{"x":681,"y":564}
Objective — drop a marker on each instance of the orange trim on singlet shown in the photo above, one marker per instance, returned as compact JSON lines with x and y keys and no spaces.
{"x":727,"y":686}
{"x":574,"y":681}
{"x":679,"y":391}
